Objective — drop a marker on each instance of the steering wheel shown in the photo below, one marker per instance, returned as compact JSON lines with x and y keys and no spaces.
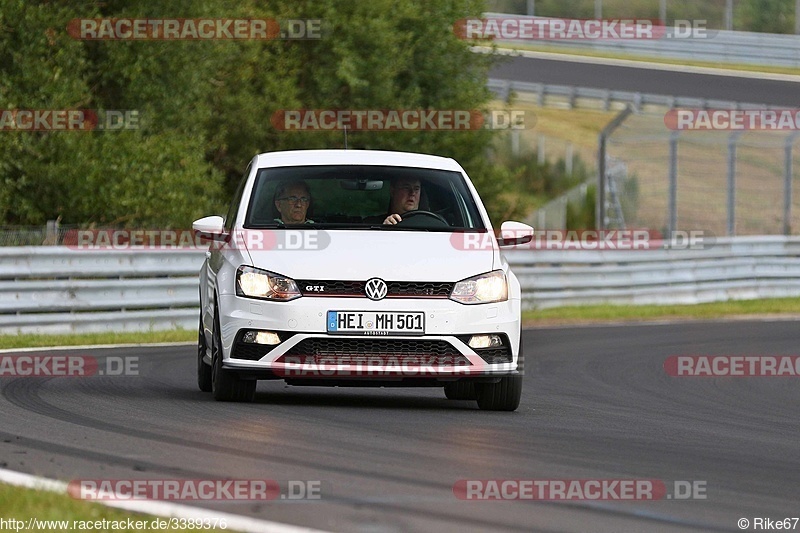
{"x":417,"y":212}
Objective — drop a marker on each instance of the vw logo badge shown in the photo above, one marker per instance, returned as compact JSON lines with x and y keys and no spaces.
{"x":376,"y":289}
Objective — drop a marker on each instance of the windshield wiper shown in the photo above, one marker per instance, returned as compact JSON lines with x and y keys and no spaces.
{"x":394,"y":227}
{"x":274,"y":225}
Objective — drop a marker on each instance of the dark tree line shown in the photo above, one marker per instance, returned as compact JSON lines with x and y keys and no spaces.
{"x":205,"y":106}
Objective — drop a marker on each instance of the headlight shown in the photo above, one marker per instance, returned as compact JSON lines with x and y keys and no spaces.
{"x":255,"y":283}
{"x":483,"y":289}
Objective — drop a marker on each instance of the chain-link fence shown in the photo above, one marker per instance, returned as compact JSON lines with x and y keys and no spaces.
{"x":720,"y":182}
{"x":741,"y":183}
{"x":555,"y":213}
{"x":50,"y":234}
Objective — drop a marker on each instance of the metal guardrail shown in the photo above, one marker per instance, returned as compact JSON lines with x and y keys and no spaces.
{"x":733,"y":268}
{"x":572,"y":97}
{"x":719,"y":46}
{"x":55,"y":289}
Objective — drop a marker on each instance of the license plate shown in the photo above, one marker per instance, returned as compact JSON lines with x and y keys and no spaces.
{"x":376,"y":323}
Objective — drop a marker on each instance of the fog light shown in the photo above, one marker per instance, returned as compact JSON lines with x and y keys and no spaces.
{"x":261,"y":337}
{"x":485,"y":341}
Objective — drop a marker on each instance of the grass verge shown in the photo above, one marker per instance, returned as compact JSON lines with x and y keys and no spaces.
{"x":28,"y":340}
{"x":643,"y":313}
{"x":60,"y":512}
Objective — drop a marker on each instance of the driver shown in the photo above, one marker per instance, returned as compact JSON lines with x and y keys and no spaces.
{"x":404,"y":196}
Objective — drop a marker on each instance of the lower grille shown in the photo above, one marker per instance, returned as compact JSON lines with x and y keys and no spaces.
{"x":495,"y":356}
{"x":377,"y":351}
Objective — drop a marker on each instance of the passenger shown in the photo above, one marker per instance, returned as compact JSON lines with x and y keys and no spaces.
{"x":292,"y":200}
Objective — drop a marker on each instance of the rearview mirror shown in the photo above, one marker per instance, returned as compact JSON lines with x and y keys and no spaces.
{"x":361,"y":185}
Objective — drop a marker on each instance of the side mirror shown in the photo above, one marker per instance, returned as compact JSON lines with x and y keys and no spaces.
{"x":212,"y":227}
{"x":514,"y":233}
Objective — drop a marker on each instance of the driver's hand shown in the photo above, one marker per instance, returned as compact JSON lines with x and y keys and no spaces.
{"x":393,"y":219}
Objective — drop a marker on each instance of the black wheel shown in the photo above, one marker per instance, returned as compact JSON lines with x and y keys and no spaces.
{"x":460,"y":390}
{"x":501,"y":396}
{"x":505,"y":395}
{"x":203,"y":370}
{"x":226,"y":386}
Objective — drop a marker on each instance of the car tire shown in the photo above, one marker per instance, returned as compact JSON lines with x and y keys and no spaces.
{"x":226,"y":386}
{"x":504,"y":395}
{"x":460,"y":390}
{"x":501,"y":396}
{"x":203,"y":370}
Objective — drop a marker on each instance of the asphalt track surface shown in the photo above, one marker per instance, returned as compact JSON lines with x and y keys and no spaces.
{"x":597,"y":404}
{"x":646,"y":80}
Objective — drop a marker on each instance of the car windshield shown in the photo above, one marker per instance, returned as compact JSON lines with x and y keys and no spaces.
{"x":361,"y":197}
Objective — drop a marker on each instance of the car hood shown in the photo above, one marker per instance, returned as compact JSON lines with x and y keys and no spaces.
{"x":360,"y":255}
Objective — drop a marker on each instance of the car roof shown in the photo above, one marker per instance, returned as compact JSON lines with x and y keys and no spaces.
{"x":355,"y":157}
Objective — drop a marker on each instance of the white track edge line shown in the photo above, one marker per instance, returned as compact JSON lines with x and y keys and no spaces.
{"x":100,"y":346}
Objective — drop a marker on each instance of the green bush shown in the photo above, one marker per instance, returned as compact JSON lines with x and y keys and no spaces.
{"x":582,"y":215}
{"x":770,"y":16}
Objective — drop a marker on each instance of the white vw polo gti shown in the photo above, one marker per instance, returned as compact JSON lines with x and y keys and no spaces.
{"x":353,"y":268}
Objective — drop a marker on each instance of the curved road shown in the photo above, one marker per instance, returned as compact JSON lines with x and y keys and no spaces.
{"x":595,"y":74}
{"x":597,"y":405}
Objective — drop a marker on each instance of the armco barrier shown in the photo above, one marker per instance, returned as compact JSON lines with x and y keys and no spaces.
{"x":734,"y":268}
{"x":53,"y":289}
{"x":715,"y":46}
{"x":569,"y":97}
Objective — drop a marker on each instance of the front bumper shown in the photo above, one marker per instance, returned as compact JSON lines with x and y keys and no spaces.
{"x":308,"y":351}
